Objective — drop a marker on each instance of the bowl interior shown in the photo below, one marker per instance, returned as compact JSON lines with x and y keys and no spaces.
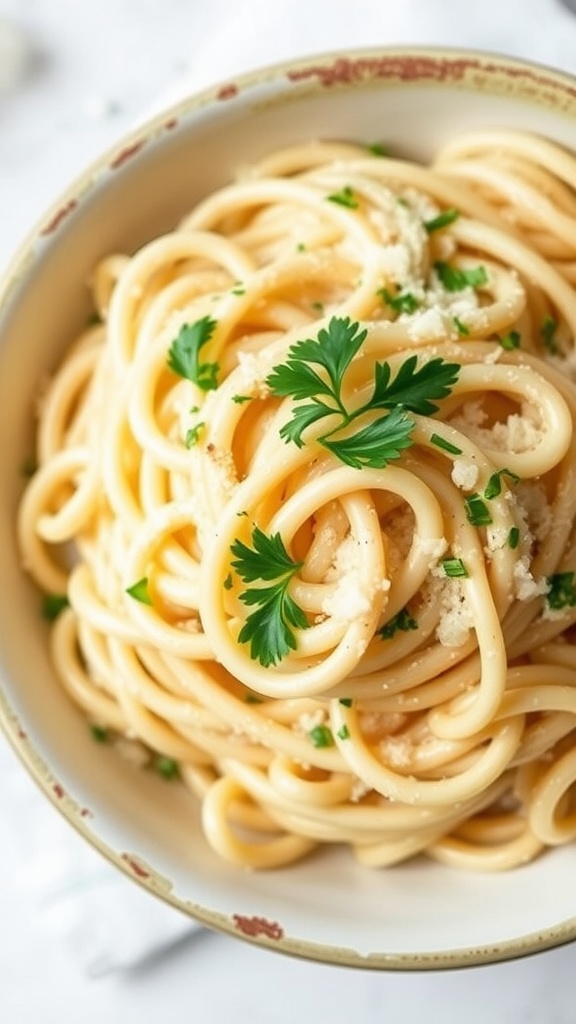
{"x":418,"y":915}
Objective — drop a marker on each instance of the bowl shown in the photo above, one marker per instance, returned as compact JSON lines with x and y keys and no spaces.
{"x":415,"y":915}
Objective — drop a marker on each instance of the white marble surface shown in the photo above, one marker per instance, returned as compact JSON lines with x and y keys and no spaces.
{"x":77,"y":74}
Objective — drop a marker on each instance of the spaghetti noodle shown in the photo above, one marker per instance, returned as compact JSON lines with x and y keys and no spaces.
{"x":316,"y":461}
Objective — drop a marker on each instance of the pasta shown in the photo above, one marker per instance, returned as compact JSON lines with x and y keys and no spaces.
{"x":315,"y":461}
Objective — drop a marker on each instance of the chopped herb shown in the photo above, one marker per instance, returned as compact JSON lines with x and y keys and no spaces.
{"x":377,"y":149}
{"x":318,"y":306}
{"x":402,"y":302}
{"x":345,"y":197}
{"x":414,"y":388}
{"x":494,"y":486}
{"x":454,"y":567}
{"x":454,"y":279}
{"x":445,"y":445}
{"x":461,"y":327}
{"x":477,"y":511}
{"x":548,"y":334}
{"x":193,"y":435}
{"x":243,"y":513}
{"x":321,"y":736}
{"x":29,"y":466}
{"x":139,"y":591}
{"x":253,"y":698}
{"x":562,"y":592}
{"x":441,"y":221}
{"x":184,"y":354}
{"x":268,"y":629}
{"x":402,"y":621}
{"x":301,"y":247}
{"x":513,"y":537}
{"x":343,"y":732}
{"x":510,"y":341}
{"x":239,"y":399}
{"x":228,"y":583}
{"x":346,"y":701}
{"x":99,"y":733}
{"x":53,"y":605}
{"x":94,"y":319}
{"x":238,"y":289}
{"x":167,"y":767}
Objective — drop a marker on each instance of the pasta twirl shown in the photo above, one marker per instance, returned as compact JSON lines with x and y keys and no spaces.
{"x":316,"y":461}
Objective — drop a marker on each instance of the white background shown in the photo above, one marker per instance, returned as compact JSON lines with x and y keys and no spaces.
{"x":79,"y":74}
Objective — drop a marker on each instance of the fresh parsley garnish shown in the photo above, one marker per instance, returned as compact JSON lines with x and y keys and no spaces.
{"x":477,"y":511}
{"x":343,"y":732}
{"x":321,"y":736}
{"x":562,"y":592}
{"x":454,"y":279}
{"x":139,"y":591}
{"x":377,"y":149}
{"x":510,"y":341}
{"x":345,"y":197}
{"x":193,"y":435}
{"x":184,"y":354}
{"x":403,"y":621}
{"x":494,"y":486}
{"x":402,"y":302}
{"x":454,"y":567}
{"x":53,"y":605}
{"x":268,"y":629}
{"x":240,"y":399}
{"x":167,"y":767}
{"x":413,"y":389}
{"x":548,"y":334}
{"x":345,"y":701}
{"x":441,"y":221}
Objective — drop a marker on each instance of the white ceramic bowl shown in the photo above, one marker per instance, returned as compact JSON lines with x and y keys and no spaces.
{"x":416,"y":916}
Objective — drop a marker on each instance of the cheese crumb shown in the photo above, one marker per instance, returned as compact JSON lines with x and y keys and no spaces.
{"x":456,"y":620}
{"x":464,"y":474}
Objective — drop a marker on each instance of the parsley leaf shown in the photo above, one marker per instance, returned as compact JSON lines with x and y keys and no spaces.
{"x":268,"y":628}
{"x":184,"y":354}
{"x":321,"y":736}
{"x":494,"y":486}
{"x":52,"y":605}
{"x":562,"y":592}
{"x":402,"y":621}
{"x":413,"y":388}
{"x":510,"y":341}
{"x":441,"y":221}
{"x":402,"y":302}
{"x":548,"y":334}
{"x":139,"y":591}
{"x":345,"y":197}
{"x":455,"y":279}
{"x":376,"y":444}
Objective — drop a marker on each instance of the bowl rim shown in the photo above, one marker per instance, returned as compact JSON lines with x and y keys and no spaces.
{"x":338,"y":67}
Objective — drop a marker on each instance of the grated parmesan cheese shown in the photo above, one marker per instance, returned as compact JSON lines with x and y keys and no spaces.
{"x":456,"y":620}
{"x":465,"y":474}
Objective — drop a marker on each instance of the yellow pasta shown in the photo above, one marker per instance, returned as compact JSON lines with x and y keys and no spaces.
{"x":316,"y":465}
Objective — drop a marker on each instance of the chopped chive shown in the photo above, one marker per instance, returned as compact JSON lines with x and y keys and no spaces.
{"x":139,"y":591}
{"x":346,"y":701}
{"x":442,"y":220}
{"x":301,"y":247}
{"x":513,"y":537}
{"x":52,"y":605}
{"x":477,"y":511}
{"x":239,"y":399}
{"x":454,"y":567}
{"x":238,"y":289}
{"x":445,"y":445}
{"x":343,"y":732}
{"x":318,"y":306}
{"x":321,"y":736}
